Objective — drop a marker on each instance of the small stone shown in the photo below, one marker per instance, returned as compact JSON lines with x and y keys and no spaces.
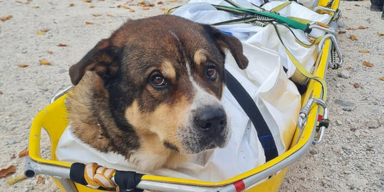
{"x":339,"y":122}
{"x":343,"y":103}
{"x":375,"y":103}
{"x":61,"y":71}
{"x":349,"y":120}
{"x":347,"y":109}
{"x":368,"y":79}
{"x":358,"y":165}
{"x":373,"y":124}
{"x":356,"y":85}
{"x":341,"y":24}
{"x":313,"y":152}
{"x":354,"y":182}
{"x":344,"y":74}
{"x":24,"y":50}
{"x":10,"y":142}
{"x":345,"y":148}
{"x":347,"y":172}
{"x":353,"y":129}
{"x":112,"y":6}
{"x":382,"y":179}
{"x":357,"y":133}
{"x":376,"y":111}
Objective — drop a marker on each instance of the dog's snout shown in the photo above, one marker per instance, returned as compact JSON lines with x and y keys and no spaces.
{"x":211,"y":119}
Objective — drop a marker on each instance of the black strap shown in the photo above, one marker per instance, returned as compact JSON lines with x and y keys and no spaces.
{"x":126,"y":180}
{"x":252,"y":111}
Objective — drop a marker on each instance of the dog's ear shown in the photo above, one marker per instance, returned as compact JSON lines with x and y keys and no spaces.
{"x":103,"y":59}
{"x":230,"y":42}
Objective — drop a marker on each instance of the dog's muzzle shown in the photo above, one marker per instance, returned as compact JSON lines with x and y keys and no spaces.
{"x":208,"y":130}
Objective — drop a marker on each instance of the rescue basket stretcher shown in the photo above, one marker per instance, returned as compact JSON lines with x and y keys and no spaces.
{"x":311,"y":125}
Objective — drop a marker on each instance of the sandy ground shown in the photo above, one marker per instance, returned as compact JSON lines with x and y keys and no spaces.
{"x":349,"y":159}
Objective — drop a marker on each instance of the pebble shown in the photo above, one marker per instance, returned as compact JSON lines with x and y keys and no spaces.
{"x":345,"y":147}
{"x":382,"y":179}
{"x":347,"y":109}
{"x":358,"y":165}
{"x":10,"y":142}
{"x":343,"y":103}
{"x":357,"y":133}
{"x":355,"y":182}
{"x":24,"y":50}
{"x":339,"y":122}
{"x":313,"y":152}
{"x":373,"y":124}
{"x":356,"y":85}
{"x":61,"y":71}
{"x":344,"y":74}
{"x":347,"y":172}
{"x":376,"y":111}
{"x":370,"y":145}
{"x":341,"y":24}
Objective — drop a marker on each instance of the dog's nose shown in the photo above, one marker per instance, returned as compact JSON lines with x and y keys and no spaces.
{"x":211,"y":119}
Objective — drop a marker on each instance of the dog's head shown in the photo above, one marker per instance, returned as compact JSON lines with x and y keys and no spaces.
{"x":164,"y":76}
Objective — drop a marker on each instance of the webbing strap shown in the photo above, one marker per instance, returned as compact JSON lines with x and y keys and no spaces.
{"x":300,"y":67}
{"x":281,"y":6}
{"x":250,"y":108}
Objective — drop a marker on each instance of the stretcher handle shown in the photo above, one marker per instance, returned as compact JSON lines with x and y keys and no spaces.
{"x":60,"y":93}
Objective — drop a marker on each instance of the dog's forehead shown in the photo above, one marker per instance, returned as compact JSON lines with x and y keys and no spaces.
{"x":166,"y":38}
{"x":163,"y":31}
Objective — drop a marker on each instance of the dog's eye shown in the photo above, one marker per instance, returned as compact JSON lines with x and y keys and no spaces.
{"x":211,"y":73}
{"x":158,"y":81}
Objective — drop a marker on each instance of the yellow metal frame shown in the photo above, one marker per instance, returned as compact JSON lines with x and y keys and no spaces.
{"x":54,"y":120}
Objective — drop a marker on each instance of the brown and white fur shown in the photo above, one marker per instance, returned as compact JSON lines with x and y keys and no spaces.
{"x":151,"y":91}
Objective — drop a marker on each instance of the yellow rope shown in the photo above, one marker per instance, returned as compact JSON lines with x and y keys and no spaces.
{"x":98,"y":176}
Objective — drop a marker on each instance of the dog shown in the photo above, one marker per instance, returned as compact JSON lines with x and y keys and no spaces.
{"x":151,"y":91}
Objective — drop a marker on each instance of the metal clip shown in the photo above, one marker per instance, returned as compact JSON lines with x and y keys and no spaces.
{"x":302,"y":120}
{"x":326,"y":29}
{"x":335,"y":50}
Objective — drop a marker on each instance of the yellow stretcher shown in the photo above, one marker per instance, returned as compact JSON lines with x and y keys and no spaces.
{"x":267,"y":177}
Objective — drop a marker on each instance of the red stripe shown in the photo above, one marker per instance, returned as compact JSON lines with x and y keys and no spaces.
{"x":239,"y":185}
{"x":319,"y":117}
{"x":27,"y":153}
